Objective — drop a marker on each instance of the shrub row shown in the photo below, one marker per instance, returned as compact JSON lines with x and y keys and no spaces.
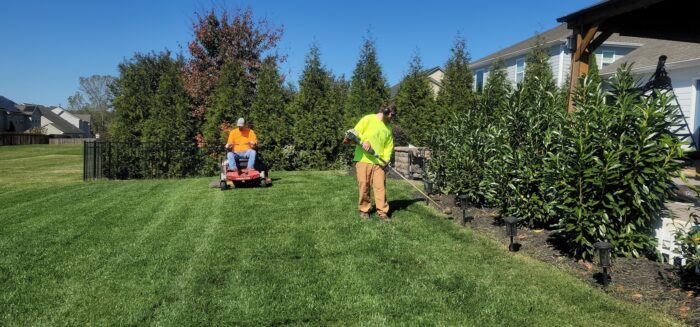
{"x":602,"y":172}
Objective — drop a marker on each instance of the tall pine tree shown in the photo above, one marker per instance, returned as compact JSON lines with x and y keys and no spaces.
{"x":316,"y":115}
{"x":231,"y":100}
{"x":456,"y":93}
{"x":593,"y":72}
{"x":170,"y":119}
{"x":134,"y":94}
{"x":269,"y":117}
{"x":497,"y":90}
{"x":368,"y":87}
{"x":416,"y":106}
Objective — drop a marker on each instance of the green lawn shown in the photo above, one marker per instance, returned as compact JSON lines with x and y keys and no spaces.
{"x":40,"y":164}
{"x":174,"y":252}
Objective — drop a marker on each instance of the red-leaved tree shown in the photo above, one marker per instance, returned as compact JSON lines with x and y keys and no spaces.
{"x":222,"y":37}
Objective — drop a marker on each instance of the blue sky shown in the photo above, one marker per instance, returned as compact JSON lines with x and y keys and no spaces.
{"x":45,"y":46}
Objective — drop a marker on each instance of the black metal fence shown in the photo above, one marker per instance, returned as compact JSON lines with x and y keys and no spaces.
{"x":127,"y":160}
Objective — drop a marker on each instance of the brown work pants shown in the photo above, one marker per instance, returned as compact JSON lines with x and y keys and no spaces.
{"x":369,"y":175}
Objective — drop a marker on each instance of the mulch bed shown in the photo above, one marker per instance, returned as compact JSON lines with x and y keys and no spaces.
{"x":639,"y":280}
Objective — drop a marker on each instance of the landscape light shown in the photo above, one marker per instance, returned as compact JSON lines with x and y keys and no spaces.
{"x":511,"y":231}
{"x":428,"y":186}
{"x":463,"y":203}
{"x":604,"y":249}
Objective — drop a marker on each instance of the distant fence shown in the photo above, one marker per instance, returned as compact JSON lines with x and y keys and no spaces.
{"x":23,"y":139}
{"x":127,"y":160}
{"x":70,"y":140}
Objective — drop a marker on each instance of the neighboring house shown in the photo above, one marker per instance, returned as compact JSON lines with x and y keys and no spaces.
{"x":683,"y":67}
{"x":555,"y":41}
{"x":12,"y":119}
{"x":683,"y":64}
{"x":435,"y":76}
{"x":81,"y":121}
{"x":55,"y":125}
{"x":18,"y":118}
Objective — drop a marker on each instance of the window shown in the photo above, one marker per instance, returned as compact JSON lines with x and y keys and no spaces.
{"x":479,"y":80}
{"x":608,"y":58}
{"x":519,"y":70}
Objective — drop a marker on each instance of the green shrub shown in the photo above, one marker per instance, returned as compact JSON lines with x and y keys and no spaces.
{"x":689,"y":244}
{"x":615,"y":167}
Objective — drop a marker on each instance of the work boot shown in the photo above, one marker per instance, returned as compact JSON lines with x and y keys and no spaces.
{"x":364,"y":216}
{"x":383,"y":217}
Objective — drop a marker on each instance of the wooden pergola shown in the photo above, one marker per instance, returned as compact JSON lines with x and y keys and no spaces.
{"x":675,"y":20}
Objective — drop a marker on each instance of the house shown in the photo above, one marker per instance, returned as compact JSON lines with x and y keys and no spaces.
{"x":556,"y":42}
{"x":81,"y":121}
{"x":12,"y":119}
{"x":683,"y":67}
{"x":435,"y":76}
{"x":683,"y":64}
{"x":18,"y":118}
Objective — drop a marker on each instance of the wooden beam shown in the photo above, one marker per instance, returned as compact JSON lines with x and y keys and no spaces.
{"x":599,"y":40}
{"x":579,"y":59}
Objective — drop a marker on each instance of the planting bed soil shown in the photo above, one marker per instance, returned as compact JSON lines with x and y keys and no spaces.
{"x":644,"y":280}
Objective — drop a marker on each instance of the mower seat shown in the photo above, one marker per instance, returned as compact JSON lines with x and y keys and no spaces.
{"x":241,"y":163}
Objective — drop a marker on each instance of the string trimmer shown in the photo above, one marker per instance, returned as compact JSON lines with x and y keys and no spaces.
{"x":353,"y":137}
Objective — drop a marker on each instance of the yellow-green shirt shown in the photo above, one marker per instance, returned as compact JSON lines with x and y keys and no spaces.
{"x":379,"y":136}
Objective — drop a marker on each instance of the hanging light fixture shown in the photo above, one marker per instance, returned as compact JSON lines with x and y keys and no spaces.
{"x":604,"y":249}
{"x":511,"y":231}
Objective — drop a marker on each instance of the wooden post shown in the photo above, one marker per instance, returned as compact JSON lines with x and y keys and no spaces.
{"x":579,"y":59}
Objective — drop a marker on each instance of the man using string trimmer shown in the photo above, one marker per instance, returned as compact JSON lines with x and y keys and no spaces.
{"x":374,"y":143}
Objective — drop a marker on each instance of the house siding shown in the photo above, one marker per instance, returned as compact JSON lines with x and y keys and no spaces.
{"x":684,"y":87}
{"x":52,"y":130}
{"x":683,"y":81}
{"x":559,"y":58}
{"x":620,"y":52}
{"x":3,"y":121}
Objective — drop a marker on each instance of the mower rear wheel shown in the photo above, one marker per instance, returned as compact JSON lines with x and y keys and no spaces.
{"x":223,"y":185}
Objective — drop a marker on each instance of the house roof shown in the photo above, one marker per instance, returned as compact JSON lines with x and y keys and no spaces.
{"x":658,"y":19}
{"x":7,"y":104}
{"x":556,"y":35}
{"x":84,"y":117}
{"x":645,"y":58}
{"x":395,"y":89}
{"x":59,"y":122}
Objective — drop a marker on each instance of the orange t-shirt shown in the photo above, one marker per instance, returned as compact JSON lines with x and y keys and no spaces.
{"x":240,"y":139}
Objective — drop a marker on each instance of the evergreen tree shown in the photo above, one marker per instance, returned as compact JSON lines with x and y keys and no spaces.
{"x":538,"y":72}
{"x":593,"y":73}
{"x":317,"y":117}
{"x":152,"y":108}
{"x":497,"y":90}
{"x":134,"y":94}
{"x":368,"y":87}
{"x":169,"y":120}
{"x":456,"y":93}
{"x":416,"y":106}
{"x":231,"y":100}
{"x":269,"y":116}
{"x":533,"y":123}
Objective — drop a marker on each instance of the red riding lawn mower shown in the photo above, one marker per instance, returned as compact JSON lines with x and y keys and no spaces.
{"x":242,"y":176}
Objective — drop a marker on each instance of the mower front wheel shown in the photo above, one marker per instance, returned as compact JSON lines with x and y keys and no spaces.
{"x":223,"y":185}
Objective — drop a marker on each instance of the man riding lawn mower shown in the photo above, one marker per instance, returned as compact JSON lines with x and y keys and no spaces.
{"x":243,"y":165}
